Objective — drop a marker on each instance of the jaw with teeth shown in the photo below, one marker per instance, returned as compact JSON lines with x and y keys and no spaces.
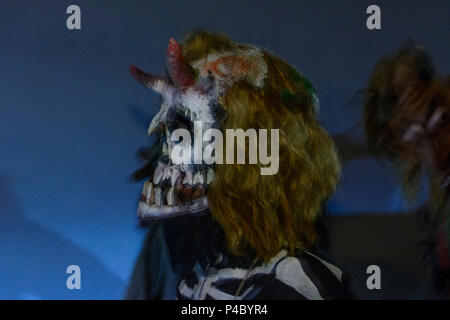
{"x":174,"y":191}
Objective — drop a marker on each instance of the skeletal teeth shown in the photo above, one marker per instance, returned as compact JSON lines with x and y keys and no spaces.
{"x":171,"y":196}
{"x":159,"y":171}
{"x":165,"y":149}
{"x":166,"y":173}
{"x":158,"y":196}
{"x":174,"y":176}
{"x":168,"y":142}
{"x":210,"y":176}
{"x":198,"y":178}
{"x":149,"y":194}
{"x":144,"y":187}
{"x":187,"y":178}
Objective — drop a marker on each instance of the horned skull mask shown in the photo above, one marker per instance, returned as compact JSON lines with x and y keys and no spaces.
{"x":176,"y":190}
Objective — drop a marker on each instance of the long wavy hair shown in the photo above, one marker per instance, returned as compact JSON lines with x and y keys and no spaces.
{"x":262,"y":214}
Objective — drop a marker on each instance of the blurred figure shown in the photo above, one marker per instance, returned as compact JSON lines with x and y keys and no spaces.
{"x":406,"y":119}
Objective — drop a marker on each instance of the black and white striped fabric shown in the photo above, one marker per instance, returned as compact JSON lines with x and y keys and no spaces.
{"x":284,"y":277}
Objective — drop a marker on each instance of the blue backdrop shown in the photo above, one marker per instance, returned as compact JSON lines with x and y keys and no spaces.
{"x":72,"y":118}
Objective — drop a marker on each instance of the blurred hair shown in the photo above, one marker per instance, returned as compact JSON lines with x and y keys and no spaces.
{"x":265,"y":213}
{"x":385,"y":87}
{"x":400,"y":83}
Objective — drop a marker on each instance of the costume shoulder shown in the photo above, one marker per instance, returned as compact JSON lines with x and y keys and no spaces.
{"x":305,"y":276}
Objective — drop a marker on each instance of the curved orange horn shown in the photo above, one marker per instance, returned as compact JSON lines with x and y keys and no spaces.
{"x":180,"y":74}
{"x":156,"y":83}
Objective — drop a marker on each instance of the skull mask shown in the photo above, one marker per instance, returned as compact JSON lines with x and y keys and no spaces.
{"x":175,"y":190}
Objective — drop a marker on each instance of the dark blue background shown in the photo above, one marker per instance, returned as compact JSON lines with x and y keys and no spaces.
{"x":72,"y":118}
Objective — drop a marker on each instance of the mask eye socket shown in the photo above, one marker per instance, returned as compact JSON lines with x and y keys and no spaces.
{"x":218,"y":111}
{"x":177,"y":119}
{"x":439,"y":119}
